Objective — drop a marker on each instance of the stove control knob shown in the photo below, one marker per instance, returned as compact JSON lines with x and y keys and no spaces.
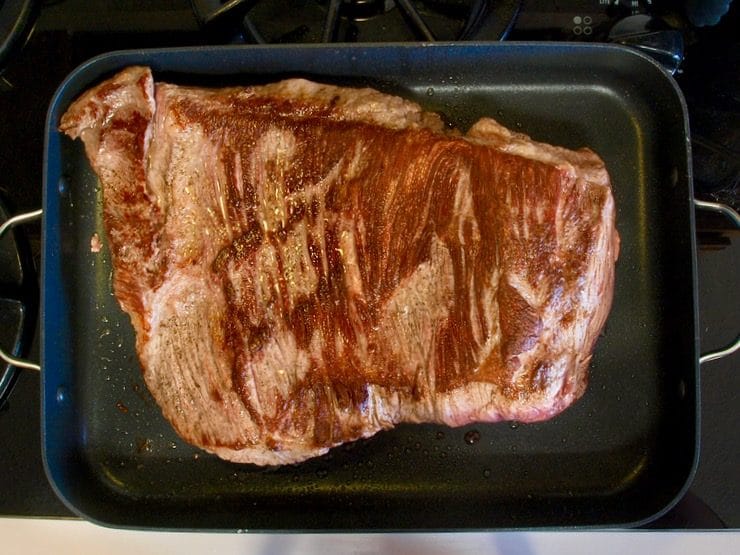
{"x":650,"y":36}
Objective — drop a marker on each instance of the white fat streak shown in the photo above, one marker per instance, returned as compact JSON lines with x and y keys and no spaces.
{"x":221,"y":200}
{"x":490,"y":299}
{"x":419,"y":305}
{"x":317,"y":191}
{"x":194,"y":221}
{"x":567,"y":229}
{"x":464,"y":207}
{"x":539,"y":212}
{"x":559,"y":223}
{"x":354,"y":165}
{"x":464,"y":211}
{"x":524,"y":219}
{"x":316,"y":347}
{"x":353,"y":281}
{"x":348,"y":247}
{"x":535,"y":294}
{"x":238,"y":176}
{"x":479,"y":334}
{"x":246,"y":215}
{"x":183,"y":366}
{"x":275,"y":149}
{"x":361,"y":239}
{"x":339,"y":344}
{"x":319,"y":233}
{"x":277,"y":367}
{"x":300,"y":276}
{"x":590,"y":296}
{"x":154,"y":193}
{"x":512,"y":207}
{"x":554,"y":376}
{"x":382,"y":406}
{"x":275,"y":146}
{"x":265,"y":280}
{"x":488,"y":334}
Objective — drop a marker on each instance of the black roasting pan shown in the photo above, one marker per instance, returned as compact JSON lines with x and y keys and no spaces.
{"x":620,"y":456}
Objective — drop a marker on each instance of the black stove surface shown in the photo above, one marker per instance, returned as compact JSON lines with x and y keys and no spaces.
{"x":67,"y":32}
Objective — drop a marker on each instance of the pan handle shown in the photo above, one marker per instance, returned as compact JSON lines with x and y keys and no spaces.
{"x":8,"y":224}
{"x":701,"y":204}
{"x":734,"y":217}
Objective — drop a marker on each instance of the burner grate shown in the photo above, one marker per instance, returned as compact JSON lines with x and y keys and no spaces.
{"x":314,"y":21}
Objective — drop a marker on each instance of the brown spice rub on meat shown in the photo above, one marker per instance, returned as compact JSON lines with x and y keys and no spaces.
{"x":305,"y":265}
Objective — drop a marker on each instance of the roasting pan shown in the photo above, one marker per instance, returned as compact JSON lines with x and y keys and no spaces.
{"x":621,"y":456}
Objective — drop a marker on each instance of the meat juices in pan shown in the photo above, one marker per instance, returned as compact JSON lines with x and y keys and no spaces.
{"x":305,"y":265}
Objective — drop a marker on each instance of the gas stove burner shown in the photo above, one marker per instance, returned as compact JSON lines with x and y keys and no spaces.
{"x":361,"y":10}
{"x":18,"y":301}
{"x":307,"y":21}
{"x":15,"y":19}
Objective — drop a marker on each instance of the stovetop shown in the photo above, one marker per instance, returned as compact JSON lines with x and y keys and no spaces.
{"x":67,"y":32}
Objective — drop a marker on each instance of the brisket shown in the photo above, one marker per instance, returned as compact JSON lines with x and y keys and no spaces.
{"x":305,"y":265}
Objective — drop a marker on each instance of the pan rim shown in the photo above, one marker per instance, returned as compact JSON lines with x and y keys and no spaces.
{"x":83,"y":72}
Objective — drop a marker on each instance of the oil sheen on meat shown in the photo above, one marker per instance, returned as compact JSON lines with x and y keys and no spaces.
{"x":305,"y":265}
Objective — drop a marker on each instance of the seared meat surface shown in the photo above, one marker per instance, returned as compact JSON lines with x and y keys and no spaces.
{"x":305,"y":265}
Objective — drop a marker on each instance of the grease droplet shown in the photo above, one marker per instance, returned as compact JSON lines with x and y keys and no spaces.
{"x":61,"y":394}
{"x":487,"y":472}
{"x":430,"y":91}
{"x":514,"y":425}
{"x":473,"y":436}
{"x":121,"y":407}
{"x":143,"y":446}
{"x":439,"y":435}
